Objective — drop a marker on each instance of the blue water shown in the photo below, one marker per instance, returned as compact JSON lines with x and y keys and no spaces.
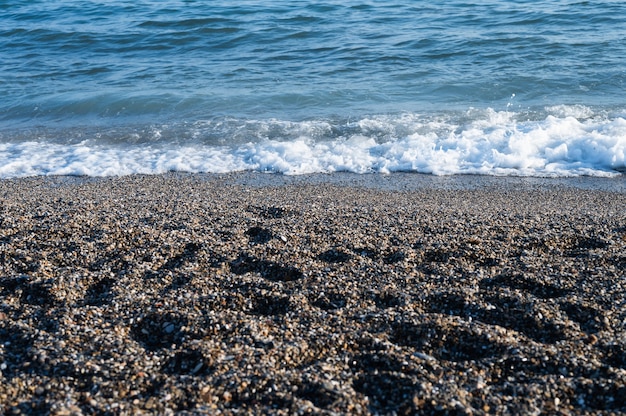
{"x":494,"y":87}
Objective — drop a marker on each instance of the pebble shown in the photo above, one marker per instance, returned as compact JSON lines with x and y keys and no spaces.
{"x":129,"y":297}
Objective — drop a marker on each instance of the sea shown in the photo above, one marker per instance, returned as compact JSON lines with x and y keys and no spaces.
{"x":504,"y":88}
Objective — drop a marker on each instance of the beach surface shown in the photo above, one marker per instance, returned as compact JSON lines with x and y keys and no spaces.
{"x":325,"y":294}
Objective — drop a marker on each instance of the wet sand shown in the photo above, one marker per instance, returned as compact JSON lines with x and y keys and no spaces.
{"x":326,"y":294}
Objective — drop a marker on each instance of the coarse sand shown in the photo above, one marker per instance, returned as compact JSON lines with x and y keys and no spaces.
{"x":329,"y":294}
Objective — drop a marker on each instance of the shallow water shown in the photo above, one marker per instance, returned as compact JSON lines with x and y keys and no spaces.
{"x":500,"y":88}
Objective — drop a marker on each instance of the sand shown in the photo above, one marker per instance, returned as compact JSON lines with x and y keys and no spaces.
{"x":326,"y":294}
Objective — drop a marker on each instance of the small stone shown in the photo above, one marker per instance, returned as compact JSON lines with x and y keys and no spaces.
{"x":206,"y":394}
{"x":424,"y":356}
{"x":197,"y":367}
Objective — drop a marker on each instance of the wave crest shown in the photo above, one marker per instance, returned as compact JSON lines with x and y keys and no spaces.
{"x":563,"y":141}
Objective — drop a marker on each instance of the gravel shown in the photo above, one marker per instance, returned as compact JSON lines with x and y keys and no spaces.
{"x":196,"y":294}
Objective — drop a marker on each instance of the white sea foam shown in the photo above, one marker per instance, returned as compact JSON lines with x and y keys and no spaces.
{"x":565,"y":141}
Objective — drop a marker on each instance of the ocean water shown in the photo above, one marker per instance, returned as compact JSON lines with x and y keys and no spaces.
{"x":494,"y":87}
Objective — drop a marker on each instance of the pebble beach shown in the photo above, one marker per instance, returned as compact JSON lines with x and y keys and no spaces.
{"x":259,"y":294}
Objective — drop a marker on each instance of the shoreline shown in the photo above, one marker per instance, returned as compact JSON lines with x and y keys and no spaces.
{"x":352,"y":294}
{"x":396,"y":181}
{"x":412,"y":181}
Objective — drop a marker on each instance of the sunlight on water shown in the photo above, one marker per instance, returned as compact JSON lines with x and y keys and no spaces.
{"x":292,"y":87}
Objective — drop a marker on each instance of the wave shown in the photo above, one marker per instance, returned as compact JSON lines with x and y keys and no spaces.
{"x":558,"y":141}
